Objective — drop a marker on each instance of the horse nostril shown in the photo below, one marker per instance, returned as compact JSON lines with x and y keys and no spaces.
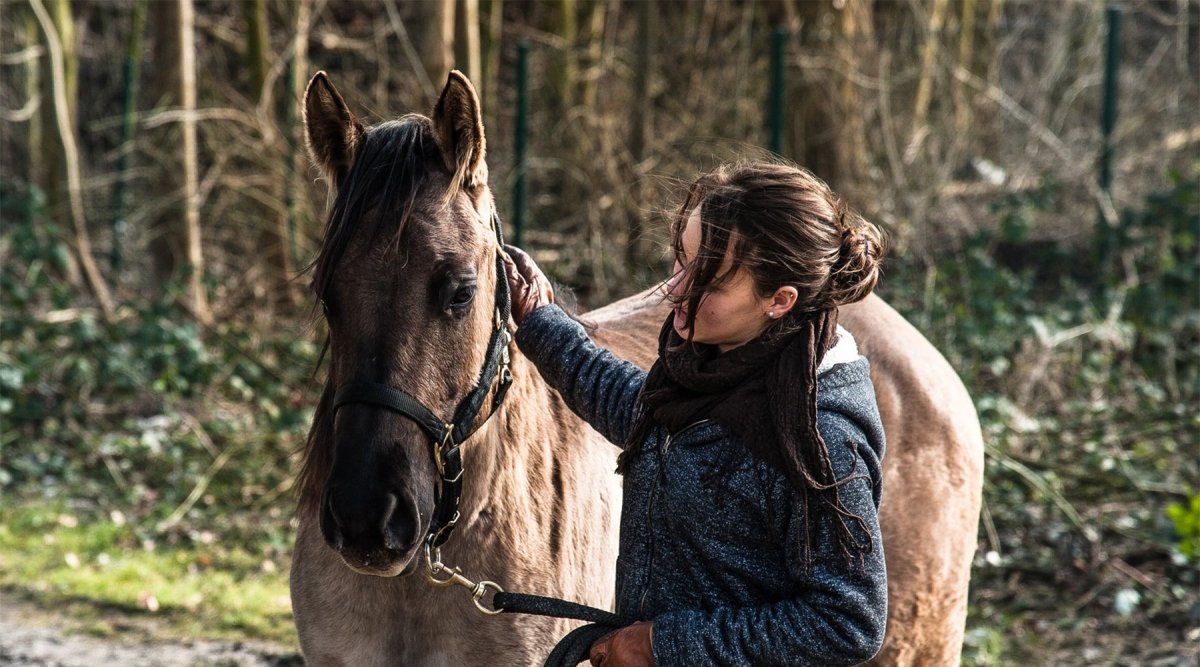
{"x":400,"y":528}
{"x":331,"y":526}
{"x":385,"y":518}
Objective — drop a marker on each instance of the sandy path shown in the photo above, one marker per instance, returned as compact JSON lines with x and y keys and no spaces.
{"x":31,"y":637}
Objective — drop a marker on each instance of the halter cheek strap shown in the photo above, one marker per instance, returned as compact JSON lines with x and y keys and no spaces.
{"x":448,"y":436}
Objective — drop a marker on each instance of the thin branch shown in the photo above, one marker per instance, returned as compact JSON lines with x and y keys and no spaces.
{"x":197,"y":490}
{"x":153,"y":119}
{"x":23,"y":56}
{"x":24,"y":113}
{"x":71,"y":154}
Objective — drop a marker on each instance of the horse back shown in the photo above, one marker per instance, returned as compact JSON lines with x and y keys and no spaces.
{"x":933,"y":468}
{"x":932,"y":485}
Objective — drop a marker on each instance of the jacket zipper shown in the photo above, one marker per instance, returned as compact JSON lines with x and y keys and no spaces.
{"x":662,"y":464}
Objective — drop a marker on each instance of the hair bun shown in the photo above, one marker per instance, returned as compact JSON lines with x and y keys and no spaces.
{"x":856,"y":271}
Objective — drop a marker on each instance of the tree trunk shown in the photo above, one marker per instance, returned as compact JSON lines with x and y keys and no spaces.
{"x":466,"y":40}
{"x":563,"y":66}
{"x":301,"y":222}
{"x":933,"y":35}
{"x":198,"y":299}
{"x":858,"y":47}
{"x":435,"y":39}
{"x":272,"y":231}
{"x":254,"y":12}
{"x":594,"y":52}
{"x":966,"y":55}
{"x":825,"y":126}
{"x":638,"y":125}
{"x":132,"y":74}
{"x":490,"y":58}
{"x":165,"y":230}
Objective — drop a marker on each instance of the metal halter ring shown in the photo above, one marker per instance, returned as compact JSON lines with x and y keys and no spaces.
{"x":454,"y":577}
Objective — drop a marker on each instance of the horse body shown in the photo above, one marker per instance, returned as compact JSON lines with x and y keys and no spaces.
{"x":540,"y":502}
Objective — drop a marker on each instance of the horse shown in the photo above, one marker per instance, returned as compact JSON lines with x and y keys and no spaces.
{"x":415,"y":301}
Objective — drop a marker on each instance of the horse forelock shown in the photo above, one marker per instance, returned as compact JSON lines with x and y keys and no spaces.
{"x":379,"y":193}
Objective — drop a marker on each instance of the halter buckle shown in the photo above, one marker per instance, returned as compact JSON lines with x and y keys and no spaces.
{"x":437,"y":452}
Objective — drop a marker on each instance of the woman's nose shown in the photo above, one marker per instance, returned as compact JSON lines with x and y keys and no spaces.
{"x":675,"y":283}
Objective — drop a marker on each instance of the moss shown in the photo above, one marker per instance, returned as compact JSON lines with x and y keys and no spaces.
{"x":90,"y":568}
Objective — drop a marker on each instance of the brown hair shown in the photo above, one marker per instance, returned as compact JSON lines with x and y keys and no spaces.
{"x":786,"y":227}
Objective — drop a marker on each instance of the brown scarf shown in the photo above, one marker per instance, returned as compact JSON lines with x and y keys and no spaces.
{"x":765,"y":393}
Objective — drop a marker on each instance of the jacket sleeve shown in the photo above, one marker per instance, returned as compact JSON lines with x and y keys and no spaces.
{"x":599,"y":387}
{"x":837,"y":611}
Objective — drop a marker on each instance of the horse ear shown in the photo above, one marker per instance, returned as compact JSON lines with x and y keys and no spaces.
{"x":332,"y":132}
{"x":458,"y":129}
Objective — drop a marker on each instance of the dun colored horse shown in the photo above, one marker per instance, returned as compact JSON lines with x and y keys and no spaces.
{"x":408,"y":280}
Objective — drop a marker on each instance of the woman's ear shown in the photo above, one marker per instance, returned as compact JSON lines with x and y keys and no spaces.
{"x":783,"y":300}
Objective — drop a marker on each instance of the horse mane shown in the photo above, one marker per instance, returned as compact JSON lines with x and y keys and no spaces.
{"x":376,"y":197}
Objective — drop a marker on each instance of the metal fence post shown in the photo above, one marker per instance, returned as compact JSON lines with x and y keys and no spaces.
{"x":778,"y":41}
{"x":1105,"y":233}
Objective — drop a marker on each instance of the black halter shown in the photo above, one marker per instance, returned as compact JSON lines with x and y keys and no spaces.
{"x":449,"y":436}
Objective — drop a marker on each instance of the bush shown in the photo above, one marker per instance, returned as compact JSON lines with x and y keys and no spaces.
{"x":144,"y":412}
{"x":1086,"y":373}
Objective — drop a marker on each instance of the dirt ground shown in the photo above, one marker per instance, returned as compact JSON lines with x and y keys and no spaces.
{"x":32,"y":637}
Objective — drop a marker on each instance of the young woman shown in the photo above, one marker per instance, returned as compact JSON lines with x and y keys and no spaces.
{"x":752,"y":448}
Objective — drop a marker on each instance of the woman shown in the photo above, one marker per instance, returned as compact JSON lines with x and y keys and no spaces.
{"x":752,"y":448}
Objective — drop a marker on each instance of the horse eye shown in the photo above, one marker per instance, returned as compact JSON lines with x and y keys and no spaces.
{"x":462,"y":296}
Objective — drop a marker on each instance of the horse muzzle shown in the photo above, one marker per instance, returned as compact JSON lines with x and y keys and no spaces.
{"x":380,"y":539}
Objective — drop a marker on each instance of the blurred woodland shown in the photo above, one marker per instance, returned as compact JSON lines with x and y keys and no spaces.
{"x":157,"y":350}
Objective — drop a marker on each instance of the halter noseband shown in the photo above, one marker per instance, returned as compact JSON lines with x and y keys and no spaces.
{"x":449,"y":436}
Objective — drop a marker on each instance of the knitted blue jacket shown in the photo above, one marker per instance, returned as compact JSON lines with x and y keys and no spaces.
{"x":714,"y":566}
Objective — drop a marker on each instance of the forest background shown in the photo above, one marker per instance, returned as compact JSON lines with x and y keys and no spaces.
{"x":158,"y":352}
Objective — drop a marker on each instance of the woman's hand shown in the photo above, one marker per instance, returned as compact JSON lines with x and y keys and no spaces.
{"x":529,"y":287}
{"x":627,"y":647}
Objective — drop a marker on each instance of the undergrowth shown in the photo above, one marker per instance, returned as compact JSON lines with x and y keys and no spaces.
{"x":169,"y":449}
{"x":1085,"y":369}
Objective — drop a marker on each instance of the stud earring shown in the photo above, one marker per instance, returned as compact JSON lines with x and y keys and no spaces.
{"x":771,"y":314}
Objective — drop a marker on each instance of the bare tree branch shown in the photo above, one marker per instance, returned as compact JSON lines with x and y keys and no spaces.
{"x":83,"y":243}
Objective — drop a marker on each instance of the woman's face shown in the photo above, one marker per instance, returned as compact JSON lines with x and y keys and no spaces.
{"x":728,"y":315}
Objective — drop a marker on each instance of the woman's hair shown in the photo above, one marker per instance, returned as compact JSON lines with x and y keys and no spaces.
{"x":786,"y":227}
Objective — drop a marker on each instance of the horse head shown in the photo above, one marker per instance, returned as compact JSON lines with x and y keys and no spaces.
{"x":407,"y":277}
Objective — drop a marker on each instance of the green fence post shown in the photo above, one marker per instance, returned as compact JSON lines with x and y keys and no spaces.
{"x":130,"y":72}
{"x":778,"y":41}
{"x":1108,"y":119}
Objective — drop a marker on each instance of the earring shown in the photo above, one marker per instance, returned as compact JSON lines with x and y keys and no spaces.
{"x":771,"y":314}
